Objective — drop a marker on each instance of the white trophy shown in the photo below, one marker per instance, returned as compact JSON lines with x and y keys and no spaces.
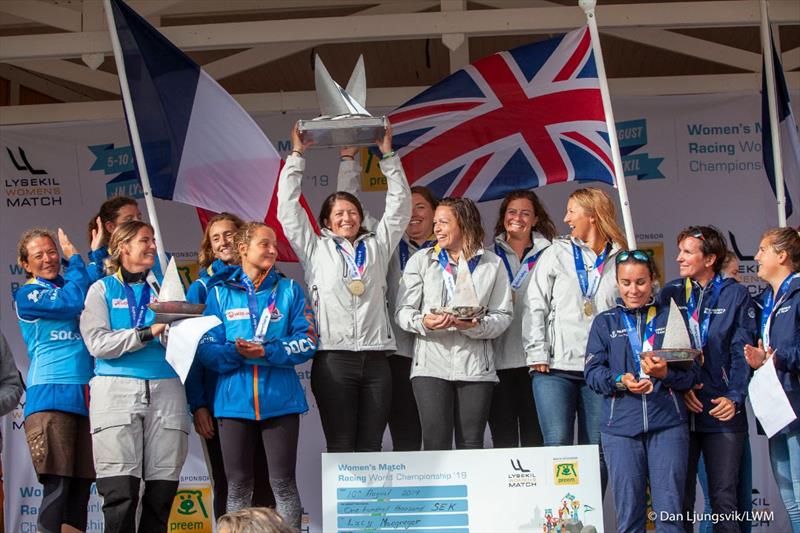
{"x":344,"y":120}
{"x":676,"y":349}
{"x":172,"y":304}
{"x":465,"y":304}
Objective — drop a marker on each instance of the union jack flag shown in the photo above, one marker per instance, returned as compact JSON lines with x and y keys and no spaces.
{"x":513,"y":120}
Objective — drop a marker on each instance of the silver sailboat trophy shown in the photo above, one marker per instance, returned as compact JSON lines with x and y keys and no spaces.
{"x":172,"y":304}
{"x":676,"y":349}
{"x":344,"y":119}
{"x":465,"y":304}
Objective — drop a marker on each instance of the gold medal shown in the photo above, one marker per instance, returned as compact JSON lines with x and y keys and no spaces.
{"x":588,"y":308}
{"x":356,"y":287}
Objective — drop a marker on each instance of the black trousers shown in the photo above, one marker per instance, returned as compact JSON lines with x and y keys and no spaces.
{"x":452,"y":406}
{"x":403,"y":418}
{"x":121,"y":499}
{"x":722,"y":453}
{"x":512,"y":418}
{"x":353,"y":391}
{"x":262,"y":492}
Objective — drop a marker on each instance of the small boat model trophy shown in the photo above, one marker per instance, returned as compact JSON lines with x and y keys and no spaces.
{"x":465,"y":304}
{"x":172,"y":304}
{"x":344,"y":120}
{"x":676,"y":349}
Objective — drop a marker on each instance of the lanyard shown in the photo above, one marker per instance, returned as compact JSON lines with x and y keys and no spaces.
{"x":404,"y":251}
{"x":259,"y":324}
{"x":355,"y":266}
{"x":447,"y":269}
{"x":45,"y":283}
{"x":589,"y":286}
{"x":525,"y":267}
{"x":699,"y":330}
{"x":637,"y":344}
{"x":770,"y":304}
{"x":136,"y":310}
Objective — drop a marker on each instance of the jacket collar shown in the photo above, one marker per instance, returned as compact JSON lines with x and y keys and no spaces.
{"x":621,"y":304}
{"x":235,"y":275}
{"x":325,"y":232}
{"x":540,"y":242}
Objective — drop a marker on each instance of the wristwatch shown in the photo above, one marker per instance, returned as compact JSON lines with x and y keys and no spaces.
{"x":619,"y":385}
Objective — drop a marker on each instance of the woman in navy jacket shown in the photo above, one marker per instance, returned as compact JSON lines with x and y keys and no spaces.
{"x":267,"y":328}
{"x":779,"y":265}
{"x":643,"y":427}
{"x":720,"y":316}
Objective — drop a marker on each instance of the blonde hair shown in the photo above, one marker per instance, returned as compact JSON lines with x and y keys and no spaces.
{"x":785,"y":240}
{"x":123,"y":234}
{"x":253,"y":520}
{"x":206,"y":254}
{"x":25,"y":239}
{"x":598,"y":204}
{"x":244,"y":235}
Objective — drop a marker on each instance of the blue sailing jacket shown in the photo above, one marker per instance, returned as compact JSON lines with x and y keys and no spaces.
{"x":609,"y":354}
{"x":60,"y":365}
{"x":147,"y":363}
{"x":725,"y":371}
{"x":269,"y":386}
{"x":201,"y":381}
{"x":784,"y":338}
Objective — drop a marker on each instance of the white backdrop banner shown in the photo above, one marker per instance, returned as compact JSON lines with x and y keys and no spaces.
{"x":688,"y":160}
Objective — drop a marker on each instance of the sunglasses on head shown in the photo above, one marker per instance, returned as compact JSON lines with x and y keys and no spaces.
{"x":697,"y":234}
{"x":637,"y":255}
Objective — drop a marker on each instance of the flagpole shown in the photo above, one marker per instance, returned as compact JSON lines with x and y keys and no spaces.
{"x":588,"y":8}
{"x":135,"y":139}
{"x":769,"y":65}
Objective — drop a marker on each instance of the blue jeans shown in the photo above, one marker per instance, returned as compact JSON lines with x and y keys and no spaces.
{"x":784,"y":454}
{"x":660,"y":456}
{"x":558,"y":400}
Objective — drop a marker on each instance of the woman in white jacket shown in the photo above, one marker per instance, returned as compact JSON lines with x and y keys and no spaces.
{"x":345,"y":270}
{"x":522,"y":233}
{"x":453,"y":367}
{"x":573,"y":282}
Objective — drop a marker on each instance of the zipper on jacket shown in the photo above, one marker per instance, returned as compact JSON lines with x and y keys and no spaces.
{"x":644,"y":396}
{"x":255,"y":392}
{"x":388,"y":324}
{"x":725,"y":377}
{"x":611,"y":415}
{"x":644,"y":411}
{"x":485,"y":356}
{"x":675,"y":401}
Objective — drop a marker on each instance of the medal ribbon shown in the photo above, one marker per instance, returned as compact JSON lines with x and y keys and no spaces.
{"x":259,"y":324}
{"x":44,"y":283}
{"x":136,"y":310}
{"x":699,"y":330}
{"x":447,"y":269}
{"x":639,"y":345}
{"x":355,"y":266}
{"x":404,"y":251}
{"x":589,"y":286}
{"x":524,"y":269}
{"x":770,"y":303}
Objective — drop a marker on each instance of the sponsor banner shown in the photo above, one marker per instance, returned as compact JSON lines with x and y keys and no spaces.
{"x":542,"y":489}
{"x":704,"y":150}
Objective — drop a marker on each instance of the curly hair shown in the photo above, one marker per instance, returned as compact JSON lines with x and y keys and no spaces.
{"x":206,"y":254}
{"x":123,"y":234}
{"x":28,"y":236}
{"x":253,"y":520}
{"x":544,"y":224}
{"x":244,"y":235}
{"x":468,"y":219}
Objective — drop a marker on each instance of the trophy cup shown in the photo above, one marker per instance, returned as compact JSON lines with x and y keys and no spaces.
{"x":172,"y":304}
{"x":344,"y":120}
{"x":465,"y":304}
{"x":676,"y":349}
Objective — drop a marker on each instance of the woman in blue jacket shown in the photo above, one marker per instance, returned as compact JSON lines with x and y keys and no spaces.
{"x":643,"y":427}
{"x":267,"y":328}
{"x":720,"y":316}
{"x":113,"y":212}
{"x":57,"y":402}
{"x":779,"y":265}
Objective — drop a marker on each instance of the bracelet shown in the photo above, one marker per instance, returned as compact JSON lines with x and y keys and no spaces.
{"x":346,"y":157}
{"x":387,"y":155}
{"x":298,"y":152}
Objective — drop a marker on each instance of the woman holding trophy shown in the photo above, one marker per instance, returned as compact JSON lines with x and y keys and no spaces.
{"x":345,"y":270}
{"x":455,"y":297}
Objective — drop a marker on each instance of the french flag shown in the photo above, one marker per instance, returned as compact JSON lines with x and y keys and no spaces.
{"x":787,"y":125}
{"x":202,"y":148}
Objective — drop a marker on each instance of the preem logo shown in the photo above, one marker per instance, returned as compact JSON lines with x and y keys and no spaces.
{"x":632,"y":136}
{"x":565,"y":472}
{"x":31,"y":186}
{"x":190,"y":509}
